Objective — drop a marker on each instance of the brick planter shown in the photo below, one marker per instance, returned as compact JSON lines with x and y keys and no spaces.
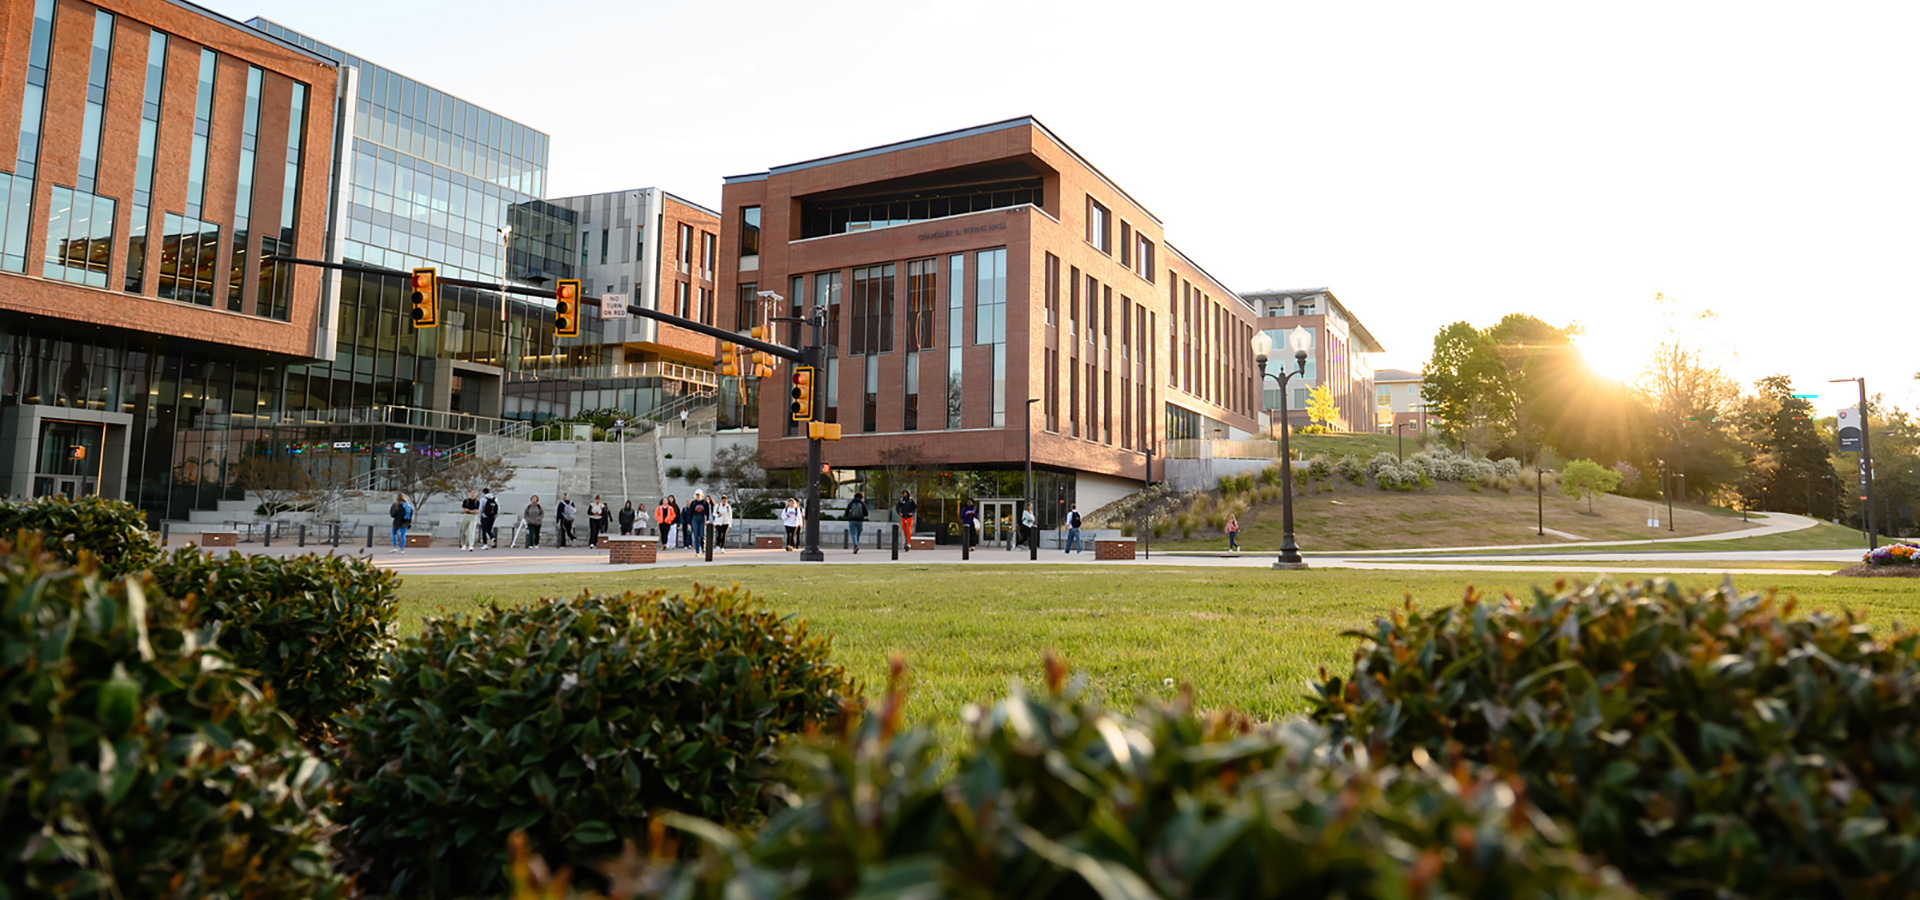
{"x":1113,"y":548}
{"x":632,"y":550}
{"x":220,"y":539}
{"x":769,"y":541}
{"x":419,"y":540}
{"x":919,"y":544}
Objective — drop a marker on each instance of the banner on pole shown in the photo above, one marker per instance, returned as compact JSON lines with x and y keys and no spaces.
{"x":1848,"y":422}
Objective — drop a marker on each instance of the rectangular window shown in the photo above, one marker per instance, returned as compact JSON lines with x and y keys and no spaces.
{"x":870,"y":407}
{"x":187,"y":264}
{"x":709,"y":248}
{"x":1143,"y":259}
{"x":826,"y":297}
{"x":586,"y":247}
{"x":684,"y":253}
{"x":96,"y":102}
{"x":275,"y":300}
{"x":706,"y":306}
{"x":1093,"y":310}
{"x":750,"y":231}
{"x":243,"y":191}
{"x":746,"y":307}
{"x":79,"y":237}
{"x":1051,"y":277}
{"x":1126,"y":244}
{"x":1073,"y":400}
{"x":1126,"y":329}
{"x":603,"y":245}
{"x":1073,"y":302}
{"x":202,"y":126}
{"x":912,"y":399}
{"x":33,"y":104}
{"x":143,"y":167}
{"x":920,"y":303}
{"x":681,"y":302}
{"x":990,"y":321}
{"x":873,"y":310}
{"x":956,"y":333}
{"x":16,"y":204}
{"x":1099,"y":228}
{"x":1050,"y":389}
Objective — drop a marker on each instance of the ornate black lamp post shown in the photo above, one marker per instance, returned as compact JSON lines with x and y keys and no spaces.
{"x":1299,"y":341}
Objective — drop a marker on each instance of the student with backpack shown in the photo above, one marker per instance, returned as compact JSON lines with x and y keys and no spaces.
{"x":489,"y":513}
{"x":402,"y":514}
{"x":904,"y":511}
{"x":856,"y":518}
{"x":1073,"y":531}
{"x":563,"y":517}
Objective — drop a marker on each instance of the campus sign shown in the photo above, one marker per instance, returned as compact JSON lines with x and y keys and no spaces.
{"x":1849,"y":428}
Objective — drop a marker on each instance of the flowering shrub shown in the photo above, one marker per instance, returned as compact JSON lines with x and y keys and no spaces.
{"x":1894,"y":555}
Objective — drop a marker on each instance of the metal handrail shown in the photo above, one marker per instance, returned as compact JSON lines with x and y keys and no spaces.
{"x":1207,"y":448}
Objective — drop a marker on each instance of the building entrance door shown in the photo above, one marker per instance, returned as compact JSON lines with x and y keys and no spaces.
{"x":68,"y":461}
{"x":999,"y":521}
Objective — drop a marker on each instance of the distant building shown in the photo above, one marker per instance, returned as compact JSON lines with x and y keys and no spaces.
{"x":1398,"y":399}
{"x":1340,"y":345}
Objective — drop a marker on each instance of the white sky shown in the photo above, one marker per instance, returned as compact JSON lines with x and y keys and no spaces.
{"x":1430,"y":162}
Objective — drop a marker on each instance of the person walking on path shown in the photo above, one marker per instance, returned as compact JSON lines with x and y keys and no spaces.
{"x":791,"y":517}
{"x":402,"y":515}
{"x":663,"y":517}
{"x":904,"y":511}
{"x":969,"y":523}
{"x":626,"y":519}
{"x":722,"y":520}
{"x":596,"y":521}
{"x":1072,"y":525}
{"x":1233,"y":534}
{"x":679,"y":523}
{"x":856,"y":518}
{"x":469,"y":520}
{"x":563,"y":516}
{"x":696,"y":518}
{"x":1026,"y":526}
{"x":533,"y":517}
{"x":489,"y":513}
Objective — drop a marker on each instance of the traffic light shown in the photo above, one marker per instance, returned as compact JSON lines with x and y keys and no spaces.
{"x":801,"y":407}
{"x":422,"y":290}
{"x":729,"y":360}
{"x":762,"y":364}
{"x":566,"y":308}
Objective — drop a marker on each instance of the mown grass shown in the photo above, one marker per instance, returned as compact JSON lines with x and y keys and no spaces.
{"x":1245,"y":638}
{"x":1822,"y":536}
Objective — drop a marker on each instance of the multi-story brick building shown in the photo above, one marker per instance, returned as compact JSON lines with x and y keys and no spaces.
{"x":979,"y":286}
{"x":1338,"y":358}
{"x":1400,"y":399}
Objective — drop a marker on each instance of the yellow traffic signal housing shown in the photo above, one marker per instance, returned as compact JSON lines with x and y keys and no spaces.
{"x":762,"y":364}
{"x":566,"y":308}
{"x":801,"y":407}
{"x":729,"y":360}
{"x":823,"y":431}
{"x":423,"y":290}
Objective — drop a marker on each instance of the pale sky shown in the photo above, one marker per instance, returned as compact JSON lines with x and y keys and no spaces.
{"x":1429,"y":162}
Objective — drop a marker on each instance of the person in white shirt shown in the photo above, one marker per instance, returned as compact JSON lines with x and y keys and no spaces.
{"x":1026,"y":526}
{"x":722,"y":517}
{"x":792,"y":517}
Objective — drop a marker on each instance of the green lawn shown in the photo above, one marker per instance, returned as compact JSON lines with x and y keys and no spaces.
{"x":1822,"y":536}
{"x":1245,"y":638}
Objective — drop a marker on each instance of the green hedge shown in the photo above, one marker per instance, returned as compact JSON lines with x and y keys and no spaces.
{"x":316,"y":628}
{"x":1054,"y":796}
{"x":572,"y":720}
{"x":1701,"y":741}
{"x":137,"y":761}
{"x":113,"y":531}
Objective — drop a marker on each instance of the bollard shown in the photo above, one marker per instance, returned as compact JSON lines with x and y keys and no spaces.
{"x":166,"y":529}
{"x":266,"y":535}
{"x":846,"y":538}
{"x":336,"y":534}
{"x":896,"y":540}
{"x":709,"y":541}
{"x":369,"y":537}
{"x":303,"y":535}
{"x":966,"y":545}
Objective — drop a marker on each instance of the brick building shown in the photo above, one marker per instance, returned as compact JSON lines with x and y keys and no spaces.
{"x":1339,"y":358}
{"x":964,"y":274}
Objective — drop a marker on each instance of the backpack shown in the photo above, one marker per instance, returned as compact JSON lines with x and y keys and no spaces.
{"x":1075,"y":520}
{"x":491,"y":509}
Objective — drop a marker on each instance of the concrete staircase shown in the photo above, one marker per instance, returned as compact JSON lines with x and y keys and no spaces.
{"x":642,"y":468}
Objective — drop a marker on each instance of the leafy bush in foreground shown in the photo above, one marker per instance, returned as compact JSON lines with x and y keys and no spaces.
{"x":315,"y":628}
{"x":1698,"y":740}
{"x":115,"y":532}
{"x":1054,"y":796}
{"x":573,"y":721}
{"x":134,"y":761}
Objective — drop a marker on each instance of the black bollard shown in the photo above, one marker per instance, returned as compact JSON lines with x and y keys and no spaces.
{"x":966,"y":545}
{"x":266,"y":535}
{"x":896,"y":540}
{"x":303,"y":534}
{"x":166,"y":529}
{"x":708,"y":525}
{"x":369,"y":537}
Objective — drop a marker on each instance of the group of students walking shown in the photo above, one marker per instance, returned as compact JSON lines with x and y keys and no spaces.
{"x":686,"y":526}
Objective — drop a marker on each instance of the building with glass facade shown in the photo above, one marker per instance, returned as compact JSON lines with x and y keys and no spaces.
{"x":1339,"y":358}
{"x":981,"y":286}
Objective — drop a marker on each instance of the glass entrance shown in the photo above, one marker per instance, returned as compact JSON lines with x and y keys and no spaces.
{"x":68,"y":461}
{"x":999,"y":521}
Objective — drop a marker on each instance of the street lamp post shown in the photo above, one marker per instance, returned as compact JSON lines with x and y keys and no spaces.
{"x":1033,"y":534}
{"x":1540,"y":496}
{"x":1298,"y":340}
{"x":1400,"y":439}
{"x":1866,"y":465}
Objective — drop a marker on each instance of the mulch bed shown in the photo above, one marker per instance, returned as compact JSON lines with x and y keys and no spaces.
{"x":1862,"y":570}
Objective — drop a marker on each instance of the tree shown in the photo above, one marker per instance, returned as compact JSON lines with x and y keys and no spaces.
{"x":1584,"y":476}
{"x":1790,"y":460}
{"x":278,"y":481}
{"x":737,"y":473}
{"x":1465,"y":385}
{"x":1694,"y":404}
{"x":466,"y":473}
{"x":1320,"y":406}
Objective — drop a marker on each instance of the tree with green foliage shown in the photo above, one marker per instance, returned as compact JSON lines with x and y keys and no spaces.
{"x":1789,"y":462}
{"x":1322,"y":408}
{"x":1465,"y":383}
{"x":1584,"y":476}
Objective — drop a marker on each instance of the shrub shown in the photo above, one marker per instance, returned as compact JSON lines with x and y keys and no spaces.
{"x":1313,"y":429}
{"x":139,"y":762}
{"x":1320,"y":467}
{"x":1507,"y":468}
{"x":693,"y":473}
{"x":113,"y":531}
{"x":1584,"y":476}
{"x":1052,"y":795}
{"x":1243,"y":482}
{"x":675,"y":471}
{"x":1381,"y":461}
{"x":1351,"y":469}
{"x":1697,"y":740}
{"x":1229,"y":485}
{"x":315,"y":628}
{"x":1270,"y":474}
{"x":573,"y":721}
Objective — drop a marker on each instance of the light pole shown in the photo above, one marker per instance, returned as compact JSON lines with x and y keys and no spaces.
{"x":1866,"y":464}
{"x":1400,"y":439}
{"x":1540,"y":495}
{"x":1033,"y":534}
{"x":1298,"y":340}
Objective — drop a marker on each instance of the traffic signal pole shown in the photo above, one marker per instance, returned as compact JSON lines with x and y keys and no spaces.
{"x":811,"y":356}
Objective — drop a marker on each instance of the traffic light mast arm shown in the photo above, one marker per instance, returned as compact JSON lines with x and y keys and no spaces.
{"x":788,"y":353}
{"x":489,"y":286}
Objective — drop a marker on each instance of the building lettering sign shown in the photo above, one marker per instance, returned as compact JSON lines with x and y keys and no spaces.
{"x":962,"y":232}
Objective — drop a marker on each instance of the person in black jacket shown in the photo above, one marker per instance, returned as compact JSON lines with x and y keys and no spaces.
{"x":856,"y":519}
{"x":904,"y":510}
{"x":626,"y":518}
{"x":489,"y":511}
{"x":563,"y":517}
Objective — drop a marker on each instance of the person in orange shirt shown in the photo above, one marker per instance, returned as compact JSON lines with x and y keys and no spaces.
{"x":663,"y":516}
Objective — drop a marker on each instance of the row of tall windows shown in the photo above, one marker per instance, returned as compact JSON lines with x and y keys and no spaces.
{"x":17,"y":188}
{"x":990,"y":321}
{"x":872,"y":310}
{"x":202,"y":127}
{"x":243,"y":189}
{"x":275,"y":294}
{"x":79,"y":237}
{"x":97,"y":64}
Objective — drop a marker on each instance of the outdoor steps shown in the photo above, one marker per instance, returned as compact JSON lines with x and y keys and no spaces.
{"x":643,"y":472}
